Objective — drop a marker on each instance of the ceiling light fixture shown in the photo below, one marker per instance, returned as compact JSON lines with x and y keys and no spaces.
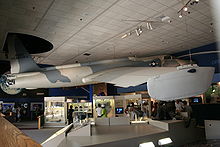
{"x":151,"y":28}
{"x":148,"y":26}
{"x":137,"y":32}
{"x":125,"y":35}
{"x":140,"y":30}
{"x":185,"y":9}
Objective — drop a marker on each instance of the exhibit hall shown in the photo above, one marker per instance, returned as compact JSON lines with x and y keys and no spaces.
{"x":109,"y":73}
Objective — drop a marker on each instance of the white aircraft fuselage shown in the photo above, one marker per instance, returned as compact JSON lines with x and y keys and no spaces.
{"x":167,"y":78}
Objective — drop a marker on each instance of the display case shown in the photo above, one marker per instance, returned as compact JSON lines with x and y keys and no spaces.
{"x":55,"y":110}
{"x":86,"y":106}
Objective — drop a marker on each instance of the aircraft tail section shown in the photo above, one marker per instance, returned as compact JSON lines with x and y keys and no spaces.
{"x":20,"y":60}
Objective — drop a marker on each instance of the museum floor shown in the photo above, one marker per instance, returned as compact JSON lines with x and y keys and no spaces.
{"x":30,"y":129}
{"x":105,"y":134}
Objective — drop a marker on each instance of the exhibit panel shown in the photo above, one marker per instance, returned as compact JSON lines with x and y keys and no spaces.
{"x":106,"y":102}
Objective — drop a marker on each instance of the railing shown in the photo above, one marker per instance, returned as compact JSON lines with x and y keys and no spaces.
{"x":57,"y":137}
{"x":11,"y":136}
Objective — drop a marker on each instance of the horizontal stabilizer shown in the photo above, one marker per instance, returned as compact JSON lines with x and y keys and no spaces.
{"x":183,"y":83}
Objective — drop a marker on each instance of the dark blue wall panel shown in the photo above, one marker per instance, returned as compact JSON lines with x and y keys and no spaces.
{"x":207,"y":59}
{"x":79,"y":91}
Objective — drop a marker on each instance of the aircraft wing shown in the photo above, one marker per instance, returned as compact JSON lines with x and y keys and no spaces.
{"x":128,"y":76}
{"x":163,"y":83}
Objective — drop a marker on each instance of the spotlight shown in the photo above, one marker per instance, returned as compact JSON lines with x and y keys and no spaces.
{"x":125,"y":35}
{"x":150,"y":26}
{"x":185,"y":9}
{"x":180,"y":16}
{"x":140,"y":30}
{"x":196,"y":0}
{"x":137,"y":32}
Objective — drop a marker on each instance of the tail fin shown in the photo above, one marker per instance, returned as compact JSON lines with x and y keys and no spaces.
{"x":20,"y":60}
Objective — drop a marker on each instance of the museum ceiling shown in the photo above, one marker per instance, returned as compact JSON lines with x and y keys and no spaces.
{"x":89,"y":30}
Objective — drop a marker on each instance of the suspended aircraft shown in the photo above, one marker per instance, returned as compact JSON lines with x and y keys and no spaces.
{"x":167,"y":78}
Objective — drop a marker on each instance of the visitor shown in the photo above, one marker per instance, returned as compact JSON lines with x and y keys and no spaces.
{"x":133,"y":115}
{"x":75,"y":114}
{"x":18,"y":114}
{"x":127,"y":111}
{"x":145,"y":109}
{"x":188,"y":109}
{"x":161,"y":111}
{"x":70,"y":115}
{"x":179,"y":106}
{"x":99,"y":111}
{"x":154,"y":109}
{"x":104,"y":111}
{"x":81,"y":114}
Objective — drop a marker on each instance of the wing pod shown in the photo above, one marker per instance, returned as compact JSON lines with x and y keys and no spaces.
{"x":185,"y":82}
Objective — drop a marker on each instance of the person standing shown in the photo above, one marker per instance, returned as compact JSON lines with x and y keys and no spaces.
{"x":179,"y":106}
{"x":81,"y":114}
{"x":104,"y":111}
{"x":99,"y":111}
{"x":70,"y":115}
{"x":18,"y":114}
{"x":188,"y":109}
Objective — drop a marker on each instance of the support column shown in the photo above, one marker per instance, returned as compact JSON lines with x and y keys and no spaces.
{"x":91,"y":93}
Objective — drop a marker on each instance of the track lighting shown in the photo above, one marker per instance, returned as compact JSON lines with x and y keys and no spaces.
{"x":185,"y":8}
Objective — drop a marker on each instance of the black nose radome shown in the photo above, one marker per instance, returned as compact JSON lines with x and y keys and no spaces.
{"x":192,"y":70}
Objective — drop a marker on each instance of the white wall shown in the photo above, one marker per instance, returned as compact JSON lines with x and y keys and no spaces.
{"x":212,"y":129}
